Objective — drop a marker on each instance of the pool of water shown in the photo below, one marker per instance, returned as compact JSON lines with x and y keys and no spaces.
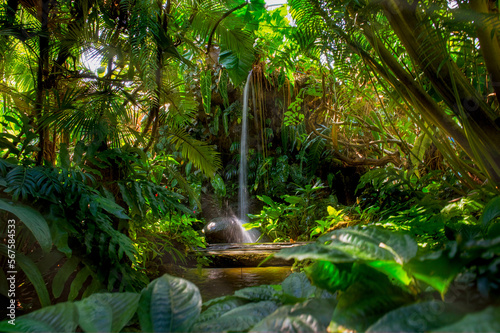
{"x":216,"y":282}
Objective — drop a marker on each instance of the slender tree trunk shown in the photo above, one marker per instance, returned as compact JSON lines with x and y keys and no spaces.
{"x":43,"y":64}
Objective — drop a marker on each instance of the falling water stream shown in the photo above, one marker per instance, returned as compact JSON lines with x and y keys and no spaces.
{"x":248,"y":236}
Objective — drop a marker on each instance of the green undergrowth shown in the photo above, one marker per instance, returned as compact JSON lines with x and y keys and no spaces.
{"x":362,"y":279}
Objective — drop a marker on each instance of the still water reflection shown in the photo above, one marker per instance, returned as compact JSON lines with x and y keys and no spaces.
{"x":216,"y":282}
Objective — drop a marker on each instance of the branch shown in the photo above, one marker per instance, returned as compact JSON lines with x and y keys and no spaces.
{"x":209,"y":46}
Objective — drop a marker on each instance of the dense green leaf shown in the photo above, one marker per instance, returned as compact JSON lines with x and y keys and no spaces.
{"x":487,"y":320}
{"x":315,"y":251}
{"x":372,"y":243}
{"x":107,"y":312}
{"x":32,"y":273}
{"x":238,"y":319}
{"x":435,"y":269}
{"x":62,"y":275}
{"x":221,"y":307}
{"x":33,"y":220}
{"x":364,"y":302}
{"x":298,"y":285}
{"x":62,"y":317}
{"x":311,"y":316}
{"x":491,"y":211}
{"x":330,"y":276}
{"x":169,"y":304}
{"x":419,"y":317}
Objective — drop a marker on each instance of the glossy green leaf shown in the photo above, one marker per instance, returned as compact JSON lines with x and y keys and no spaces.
{"x":238,"y":319}
{"x":62,"y":276}
{"x":392,"y":269}
{"x":435,"y":269}
{"x":32,"y":273}
{"x":169,"y":304}
{"x":419,"y":317}
{"x":315,"y":251}
{"x":330,"y":276}
{"x":372,"y":243}
{"x":33,"y":220}
{"x":62,"y":317}
{"x":298,"y":285}
{"x":491,"y":211}
{"x":364,"y":302}
{"x":218,"y":309}
{"x":107,"y":312}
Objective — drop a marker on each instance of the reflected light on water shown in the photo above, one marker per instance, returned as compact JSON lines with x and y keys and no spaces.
{"x":216,"y":282}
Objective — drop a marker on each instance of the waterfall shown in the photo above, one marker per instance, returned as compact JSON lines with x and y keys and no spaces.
{"x":243,"y":191}
{"x":250,"y":236}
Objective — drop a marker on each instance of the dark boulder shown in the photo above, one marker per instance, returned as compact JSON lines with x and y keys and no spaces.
{"x":223,"y":230}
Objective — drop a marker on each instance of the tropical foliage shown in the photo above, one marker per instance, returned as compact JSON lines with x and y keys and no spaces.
{"x":373,"y":135}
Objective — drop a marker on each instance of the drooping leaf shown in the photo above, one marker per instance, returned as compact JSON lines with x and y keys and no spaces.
{"x":32,"y":273}
{"x":62,"y":276}
{"x":435,"y":269}
{"x":392,"y":269}
{"x":372,"y":243}
{"x":169,"y":304}
{"x":33,"y":220}
{"x":420,"y":317}
{"x":62,"y":317}
{"x":218,"y":309}
{"x":298,"y":285}
{"x":491,"y":211}
{"x":315,"y":251}
{"x":238,"y":319}
{"x":106,"y":312}
{"x":78,"y":282}
{"x":310,"y":316}
{"x":364,"y":302}
{"x":330,"y":276}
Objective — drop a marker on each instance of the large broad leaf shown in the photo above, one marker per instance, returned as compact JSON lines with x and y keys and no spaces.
{"x":62,"y":276}
{"x":220,"y":308}
{"x":330,"y":276}
{"x":311,"y":316}
{"x":491,"y":211}
{"x":364,"y":302}
{"x":372,"y":243}
{"x":33,"y":220}
{"x":61,"y":317}
{"x":169,"y":304}
{"x":393,"y":270}
{"x":436,"y":269}
{"x":32,"y":273}
{"x":487,"y":320}
{"x":238,"y":319}
{"x":107,"y":312}
{"x":110,"y":206}
{"x":419,"y":317}
{"x":298,"y":285}
{"x":238,"y":65}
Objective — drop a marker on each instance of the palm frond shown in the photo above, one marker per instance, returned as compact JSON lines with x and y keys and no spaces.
{"x":202,"y":155}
